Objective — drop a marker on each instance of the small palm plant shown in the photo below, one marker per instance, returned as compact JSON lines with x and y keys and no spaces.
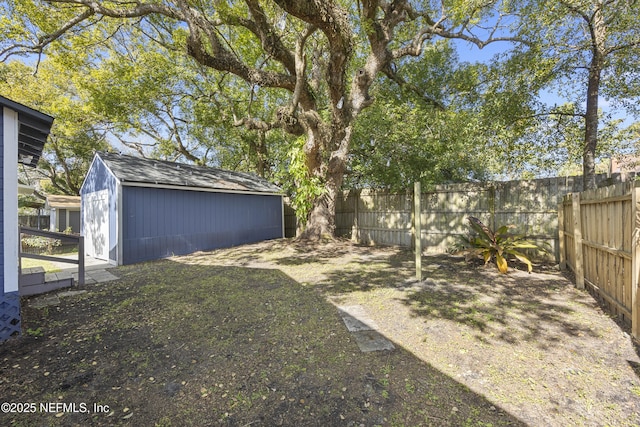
{"x":499,"y":245}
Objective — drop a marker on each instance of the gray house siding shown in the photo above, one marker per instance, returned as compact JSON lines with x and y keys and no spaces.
{"x":62,"y":219}
{"x":74,"y":221}
{"x":136,"y":210}
{"x":159,"y":222}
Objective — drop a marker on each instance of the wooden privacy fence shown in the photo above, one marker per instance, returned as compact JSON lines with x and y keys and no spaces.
{"x":378,"y":217}
{"x":385,"y":218}
{"x":598,"y":238}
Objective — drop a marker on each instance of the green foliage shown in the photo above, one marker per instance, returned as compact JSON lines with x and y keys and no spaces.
{"x":39,"y":244}
{"x":163,"y":104}
{"x":497,"y":245}
{"x":36,"y":333}
{"x":306,"y":188}
{"x":130,"y":77}
{"x":77,"y":132}
{"x":587,"y":48}
{"x":429,"y":132}
{"x":29,"y":202}
{"x":47,"y":245}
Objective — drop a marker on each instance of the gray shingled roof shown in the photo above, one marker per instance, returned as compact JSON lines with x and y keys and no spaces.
{"x":130,"y":169}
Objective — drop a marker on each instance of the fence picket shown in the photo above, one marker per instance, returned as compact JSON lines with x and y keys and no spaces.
{"x":605,"y":230}
{"x":635,"y":263}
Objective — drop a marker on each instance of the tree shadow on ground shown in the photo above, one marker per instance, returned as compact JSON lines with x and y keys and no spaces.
{"x":532,"y":342}
{"x":288,"y":252}
{"x":173,"y":343}
{"x":512,"y":307}
{"x":634,"y":364}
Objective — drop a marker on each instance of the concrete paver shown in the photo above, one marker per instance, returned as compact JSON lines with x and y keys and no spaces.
{"x":363,"y":329}
{"x":95,"y":271}
{"x":372,"y":341}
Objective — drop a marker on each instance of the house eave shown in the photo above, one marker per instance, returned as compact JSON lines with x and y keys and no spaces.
{"x":201,"y":189}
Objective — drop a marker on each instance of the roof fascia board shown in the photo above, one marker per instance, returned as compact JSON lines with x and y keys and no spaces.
{"x":20,"y":108}
{"x":203,"y":189}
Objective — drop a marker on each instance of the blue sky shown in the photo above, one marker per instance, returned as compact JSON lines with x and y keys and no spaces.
{"x":471,"y":53}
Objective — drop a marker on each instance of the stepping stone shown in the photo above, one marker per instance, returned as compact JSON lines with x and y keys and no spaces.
{"x":356,"y":319}
{"x":71,"y":293}
{"x":372,"y":341}
{"x":46,"y":301}
{"x":103,"y":276}
{"x":363,"y":329}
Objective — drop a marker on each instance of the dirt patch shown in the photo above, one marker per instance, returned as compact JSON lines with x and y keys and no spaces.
{"x":252,"y":336}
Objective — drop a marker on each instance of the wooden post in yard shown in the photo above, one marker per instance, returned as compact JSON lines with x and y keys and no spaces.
{"x":81,"y":260}
{"x":418,"y":229}
{"x":577,"y":239}
{"x":355,"y":232}
{"x":635,"y":263}
{"x":561,"y":242}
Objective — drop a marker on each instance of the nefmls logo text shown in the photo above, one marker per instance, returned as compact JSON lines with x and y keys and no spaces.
{"x":57,"y":407}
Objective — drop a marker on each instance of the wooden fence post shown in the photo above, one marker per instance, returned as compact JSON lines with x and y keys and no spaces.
{"x":577,"y":240}
{"x":418,"y":229}
{"x":492,"y":206}
{"x":561,"y":240}
{"x":81,"y":260}
{"x":355,"y":233}
{"x":635,"y":263}
{"x":412,"y":239}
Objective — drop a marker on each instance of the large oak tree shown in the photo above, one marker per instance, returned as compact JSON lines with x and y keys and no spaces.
{"x":321,"y":56}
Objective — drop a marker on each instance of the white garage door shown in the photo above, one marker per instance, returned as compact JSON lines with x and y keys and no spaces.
{"x":96,"y":224}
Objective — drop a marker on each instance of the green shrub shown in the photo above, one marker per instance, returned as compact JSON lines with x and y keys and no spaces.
{"x":39,"y":244}
{"x":47,"y":245}
{"x":498,"y":245}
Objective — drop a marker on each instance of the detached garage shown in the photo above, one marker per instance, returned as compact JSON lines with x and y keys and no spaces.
{"x":136,"y":209}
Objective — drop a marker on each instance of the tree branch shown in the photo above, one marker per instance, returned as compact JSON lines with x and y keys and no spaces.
{"x":300,"y":67}
{"x":333,"y":21}
{"x":393,"y":76}
{"x":45,"y":40}
{"x":220,"y":58}
{"x":271,"y":42}
{"x":181,"y":148}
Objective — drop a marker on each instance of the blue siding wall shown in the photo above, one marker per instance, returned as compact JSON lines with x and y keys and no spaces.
{"x":159,"y":223}
{"x":1,"y":201}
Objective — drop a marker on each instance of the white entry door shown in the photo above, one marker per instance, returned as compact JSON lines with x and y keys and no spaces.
{"x":96,"y":224}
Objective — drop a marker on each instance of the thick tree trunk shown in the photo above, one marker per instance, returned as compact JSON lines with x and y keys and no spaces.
{"x":598,"y":35}
{"x":591,"y":130}
{"x":321,"y":221}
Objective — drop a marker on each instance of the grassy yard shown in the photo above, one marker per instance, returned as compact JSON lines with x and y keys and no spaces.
{"x":48,"y":267}
{"x":252,"y":336}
